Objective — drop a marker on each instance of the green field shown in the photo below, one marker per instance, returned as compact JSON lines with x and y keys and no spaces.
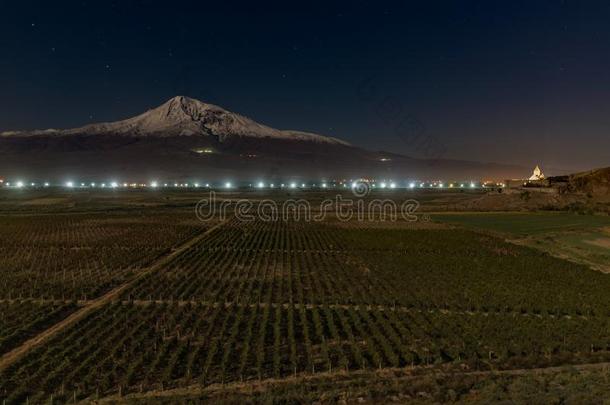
{"x":523,"y":224}
{"x":583,"y":239}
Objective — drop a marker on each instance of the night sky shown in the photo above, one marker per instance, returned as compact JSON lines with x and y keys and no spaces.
{"x":521,"y":82}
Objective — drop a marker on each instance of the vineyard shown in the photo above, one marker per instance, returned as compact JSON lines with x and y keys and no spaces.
{"x":314,"y":263}
{"x":251,"y":301}
{"x":78,"y":257}
{"x":21,"y":320}
{"x":159,"y":346}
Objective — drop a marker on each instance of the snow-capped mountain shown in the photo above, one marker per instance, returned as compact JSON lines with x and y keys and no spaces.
{"x":186,"y":138}
{"x":184,"y":116}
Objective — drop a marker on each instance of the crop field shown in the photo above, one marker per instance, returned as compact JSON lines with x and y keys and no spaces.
{"x":256,"y":300}
{"x":22,"y":320}
{"x":312,"y":263}
{"x":78,"y":257}
{"x":160,"y":346}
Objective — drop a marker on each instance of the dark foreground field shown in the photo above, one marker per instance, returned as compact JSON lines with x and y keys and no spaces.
{"x":131,"y":297}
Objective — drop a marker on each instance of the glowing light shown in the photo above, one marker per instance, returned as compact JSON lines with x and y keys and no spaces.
{"x":411,"y":185}
{"x":261,"y":185}
{"x":440,"y":185}
{"x":154,"y":184}
{"x":293,"y":185}
{"x":323,"y":185}
{"x":462,"y":185}
{"x":69,"y":184}
{"x":82,"y":184}
{"x":92,"y":184}
{"x":207,"y":184}
{"x":383,"y":185}
{"x":472,"y":185}
{"x":392,"y":185}
{"x":303,"y":185}
{"x":114,"y":184}
{"x":46,"y":184}
{"x":271,"y":185}
{"x":19,"y":184}
{"x":103,"y":185}
{"x":228,"y":185}
{"x":196,"y":185}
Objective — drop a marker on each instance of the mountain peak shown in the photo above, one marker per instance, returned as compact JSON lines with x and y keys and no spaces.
{"x":181,"y":106}
{"x":185,"y":116}
{"x":188,"y":103}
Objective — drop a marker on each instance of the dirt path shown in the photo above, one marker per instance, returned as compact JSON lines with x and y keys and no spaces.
{"x":11,"y":357}
{"x":341,"y":377}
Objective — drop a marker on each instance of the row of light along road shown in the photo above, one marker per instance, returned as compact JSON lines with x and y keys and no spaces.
{"x":258,"y":185}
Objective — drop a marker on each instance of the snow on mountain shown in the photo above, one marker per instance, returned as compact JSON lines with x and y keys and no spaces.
{"x":184,"y":116}
{"x":49,"y":131}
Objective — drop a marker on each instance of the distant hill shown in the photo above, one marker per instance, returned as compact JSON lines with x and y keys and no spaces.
{"x":186,"y":138}
{"x":595,"y":182}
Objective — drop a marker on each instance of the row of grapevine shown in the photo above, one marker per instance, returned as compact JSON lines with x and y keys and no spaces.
{"x":81,"y":256}
{"x":130,"y":347}
{"x":20,"y":320}
{"x":423,"y":269}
